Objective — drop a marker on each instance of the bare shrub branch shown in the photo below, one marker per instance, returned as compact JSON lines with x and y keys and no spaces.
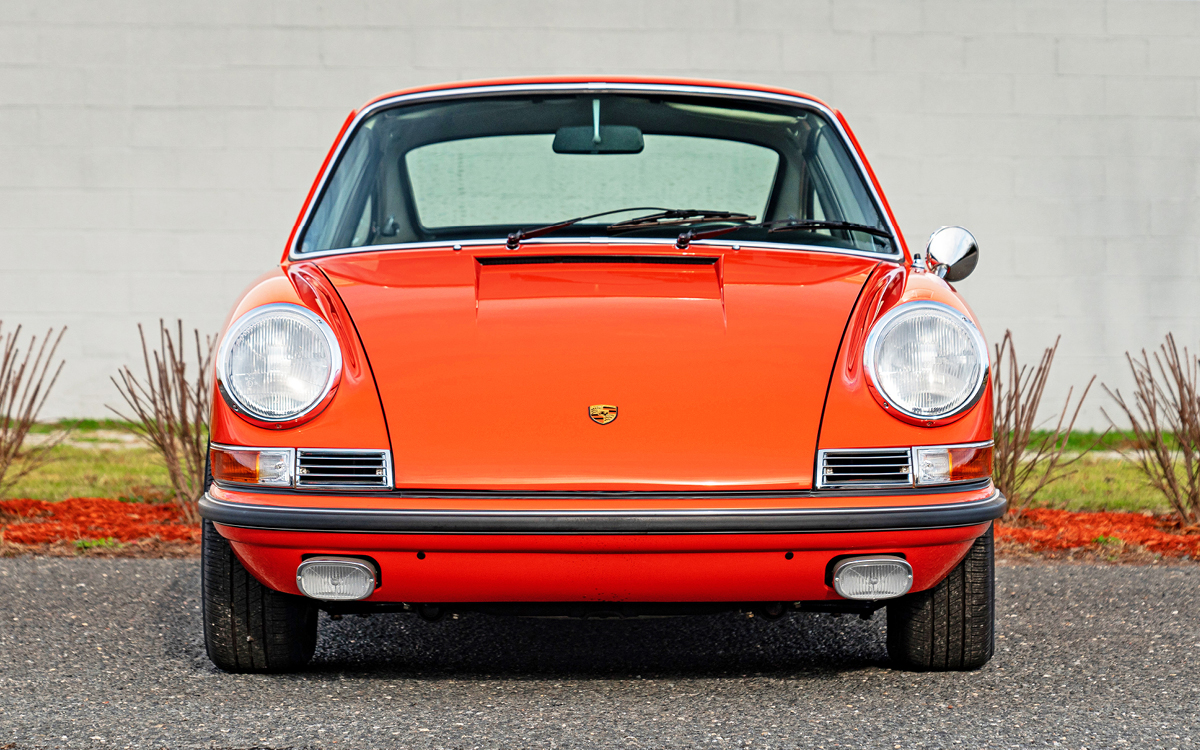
{"x":24,"y":389}
{"x":1024,"y":466}
{"x":171,"y":412}
{"x":1165,"y":419}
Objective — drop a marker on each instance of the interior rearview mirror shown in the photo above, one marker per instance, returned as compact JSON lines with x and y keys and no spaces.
{"x":954,"y":253}
{"x":602,"y":139}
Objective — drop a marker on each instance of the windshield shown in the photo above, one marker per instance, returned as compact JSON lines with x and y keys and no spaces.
{"x":482,"y":168}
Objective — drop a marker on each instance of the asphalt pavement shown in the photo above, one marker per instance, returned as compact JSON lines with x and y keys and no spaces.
{"x":108,"y":654}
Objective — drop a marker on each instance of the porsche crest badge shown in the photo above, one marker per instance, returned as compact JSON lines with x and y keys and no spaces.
{"x":602,"y":413}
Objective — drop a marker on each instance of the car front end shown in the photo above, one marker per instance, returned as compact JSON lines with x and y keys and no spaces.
{"x":453,"y":396}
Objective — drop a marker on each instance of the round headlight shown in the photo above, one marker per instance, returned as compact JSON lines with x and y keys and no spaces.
{"x":927,"y":360}
{"x":278,"y":363}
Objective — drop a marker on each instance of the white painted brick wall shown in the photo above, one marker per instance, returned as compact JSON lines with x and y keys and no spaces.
{"x":154,"y":155}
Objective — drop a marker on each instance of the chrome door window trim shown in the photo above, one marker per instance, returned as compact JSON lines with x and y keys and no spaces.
{"x":294,"y":253}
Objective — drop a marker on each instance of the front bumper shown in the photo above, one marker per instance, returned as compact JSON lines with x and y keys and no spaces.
{"x":708,"y":548}
{"x":682,"y":520}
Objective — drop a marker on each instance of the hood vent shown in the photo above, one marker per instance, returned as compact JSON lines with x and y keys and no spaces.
{"x":889,"y":467}
{"x":343,"y":469}
{"x":654,"y":260}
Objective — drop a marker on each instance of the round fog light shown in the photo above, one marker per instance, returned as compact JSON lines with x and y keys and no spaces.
{"x":872,"y":577}
{"x":335,"y":579}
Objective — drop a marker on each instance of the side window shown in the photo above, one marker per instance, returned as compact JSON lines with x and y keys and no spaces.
{"x":362,"y":234}
{"x":844,"y":199}
{"x":329,"y":227}
{"x":832,"y":196}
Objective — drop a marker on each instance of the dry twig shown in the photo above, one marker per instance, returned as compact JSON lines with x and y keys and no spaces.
{"x":24,"y":389}
{"x":1165,"y":418}
{"x":1021,"y":470}
{"x":171,"y":412}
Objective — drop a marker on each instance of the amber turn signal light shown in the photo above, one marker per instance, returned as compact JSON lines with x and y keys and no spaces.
{"x":263,"y":466}
{"x":953,"y":463}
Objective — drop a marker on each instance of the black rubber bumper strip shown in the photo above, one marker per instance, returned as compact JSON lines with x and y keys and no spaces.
{"x":666,"y":521}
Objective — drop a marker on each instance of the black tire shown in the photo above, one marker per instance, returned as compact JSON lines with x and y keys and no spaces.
{"x":247,"y":626}
{"x":951,"y":626}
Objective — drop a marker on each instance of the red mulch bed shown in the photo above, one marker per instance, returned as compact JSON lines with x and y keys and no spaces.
{"x":158,"y":530}
{"x":1120,"y":535}
{"x":40,"y":526}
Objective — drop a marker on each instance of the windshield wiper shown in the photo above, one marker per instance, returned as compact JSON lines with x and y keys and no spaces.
{"x":789,"y":225}
{"x":666,"y":217}
{"x":783,"y":225}
{"x":662,"y":217}
{"x":679,"y":216}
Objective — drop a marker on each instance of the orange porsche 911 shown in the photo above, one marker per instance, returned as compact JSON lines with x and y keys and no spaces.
{"x":560,"y":347}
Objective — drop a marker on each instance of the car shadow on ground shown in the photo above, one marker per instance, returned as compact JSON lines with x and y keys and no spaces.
{"x":696,"y":646}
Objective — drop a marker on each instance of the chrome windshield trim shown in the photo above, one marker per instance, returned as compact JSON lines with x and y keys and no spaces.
{"x":569,"y":88}
{"x":596,"y":240}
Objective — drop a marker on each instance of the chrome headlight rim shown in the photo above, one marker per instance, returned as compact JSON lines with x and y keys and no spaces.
{"x":885,"y":323}
{"x":308,"y":412}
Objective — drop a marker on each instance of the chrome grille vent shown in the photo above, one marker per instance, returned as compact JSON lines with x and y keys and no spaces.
{"x":891,"y":467}
{"x":343,"y":469}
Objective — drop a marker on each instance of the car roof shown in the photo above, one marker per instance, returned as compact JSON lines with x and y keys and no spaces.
{"x":605,"y":80}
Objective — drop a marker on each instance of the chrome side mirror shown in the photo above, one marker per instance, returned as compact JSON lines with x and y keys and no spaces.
{"x":954,"y":252}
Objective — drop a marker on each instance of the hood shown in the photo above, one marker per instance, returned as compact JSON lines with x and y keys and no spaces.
{"x":489,"y":363}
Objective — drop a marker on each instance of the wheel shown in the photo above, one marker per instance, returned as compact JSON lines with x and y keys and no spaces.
{"x":247,"y":626}
{"x":951,"y":626}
